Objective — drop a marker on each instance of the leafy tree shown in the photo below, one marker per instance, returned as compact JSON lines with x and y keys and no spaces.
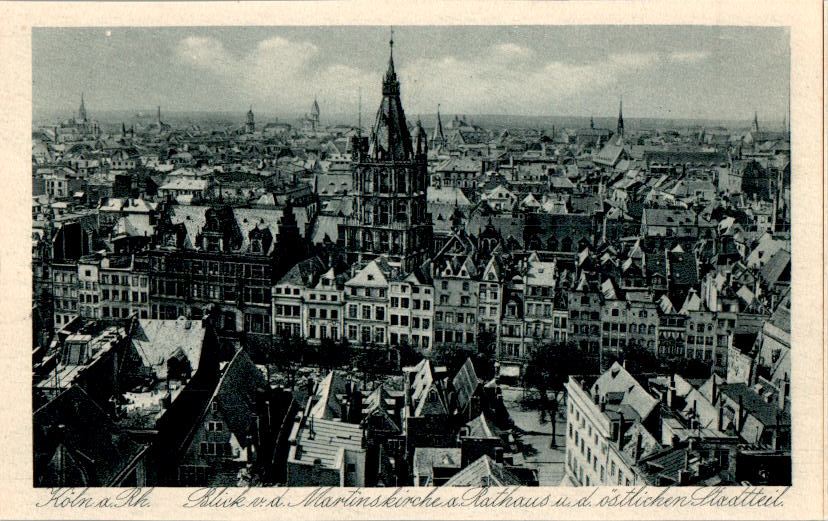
{"x":548,"y":369}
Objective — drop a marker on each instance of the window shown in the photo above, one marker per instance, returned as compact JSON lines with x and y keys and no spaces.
{"x":444,"y":285}
{"x":352,"y":311}
{"x":214,"y":426}
{"x":394,"y":302}
{"x":465,"y":286}
{"x":380,"y":313}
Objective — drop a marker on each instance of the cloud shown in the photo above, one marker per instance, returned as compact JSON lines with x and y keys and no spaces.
{"x":633,"y":59}
{"x":284,"y":75}
{"x":689,"y":56}
{"x":513,"y":51}
{"x":278,"y":73}
{"x":490,"y":82}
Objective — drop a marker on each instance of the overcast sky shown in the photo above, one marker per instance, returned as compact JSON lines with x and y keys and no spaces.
{"x":671,"y":72}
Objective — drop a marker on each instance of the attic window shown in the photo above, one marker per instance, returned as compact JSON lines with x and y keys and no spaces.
{"x":370,"y":277}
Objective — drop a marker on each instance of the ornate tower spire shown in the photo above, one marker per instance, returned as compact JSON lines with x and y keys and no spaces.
{"x":756,"y":121}
{"x":390,"y":85}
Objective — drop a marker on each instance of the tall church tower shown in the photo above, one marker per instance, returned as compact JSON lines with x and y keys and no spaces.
{"x":390,"y":181}
{"x":251,"y":122}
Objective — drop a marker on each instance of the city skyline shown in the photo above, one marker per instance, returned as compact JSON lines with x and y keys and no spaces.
{"x":497,"y":70}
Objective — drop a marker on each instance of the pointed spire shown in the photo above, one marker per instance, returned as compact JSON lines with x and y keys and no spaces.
{"x":591,"y":122}
{"x":756,"y":121}
{"x":390,"y":85}
{"x":82,"y":109}
{"x":620,"y":127}
{"x":438,"y":138}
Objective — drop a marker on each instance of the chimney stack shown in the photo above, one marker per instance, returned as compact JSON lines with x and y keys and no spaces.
{"x":737,"y":418}
{"x":637,"y":453}
{"x":671,"y":392}
{"x":784,"y":389}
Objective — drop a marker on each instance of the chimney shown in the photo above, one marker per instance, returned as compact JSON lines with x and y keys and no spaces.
{"x":737,"y":418}
{"x":775,"y":440}
{"x":784,"y":389}
{"x":355,"y":405}
{"x":671,"y":392}
{"x":714,"y":391}
{"x":345,"y":412}
{"x":251,"y":446}
{"x":498,"y":455}
{"x":637,"y":453}
{"x":474,"y":407}
{"x":720,"y":417}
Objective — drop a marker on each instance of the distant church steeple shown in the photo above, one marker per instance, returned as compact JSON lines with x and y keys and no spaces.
{"x":437,"y":137}
{"x":755,"y":121}
{"x":158,"y":115}
{"x":82,"y":110}
{"x":251,"y":123}
{"x":619,"y":129}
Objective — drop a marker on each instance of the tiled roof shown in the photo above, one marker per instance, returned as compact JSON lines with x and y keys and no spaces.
{"x":236,"y":395}
{"x":95,"y":452}
{"x":326,"y":441}
{"x":157,"y":341}
{"x":482,"y":428}
{"x":426,"y":458}
{"x":465,"y":383}
{"x":484,"y":472}
{"x":617,"y":380}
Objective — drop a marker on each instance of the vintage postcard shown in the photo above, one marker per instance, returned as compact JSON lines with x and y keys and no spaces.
{"x":438,"y":260}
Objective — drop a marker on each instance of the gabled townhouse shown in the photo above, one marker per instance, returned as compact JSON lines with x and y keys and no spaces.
{"x":366,"y":304}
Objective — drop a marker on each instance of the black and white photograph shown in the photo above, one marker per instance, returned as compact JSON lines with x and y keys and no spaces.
{"x":411,"y":256}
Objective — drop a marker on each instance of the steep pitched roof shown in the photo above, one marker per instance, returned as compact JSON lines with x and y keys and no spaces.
{"x":88,"y":450}
{"x":236,"y":395}
{"x":465,"y":383}
{"x":484,"y":472}
{"x":158,"y":341}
